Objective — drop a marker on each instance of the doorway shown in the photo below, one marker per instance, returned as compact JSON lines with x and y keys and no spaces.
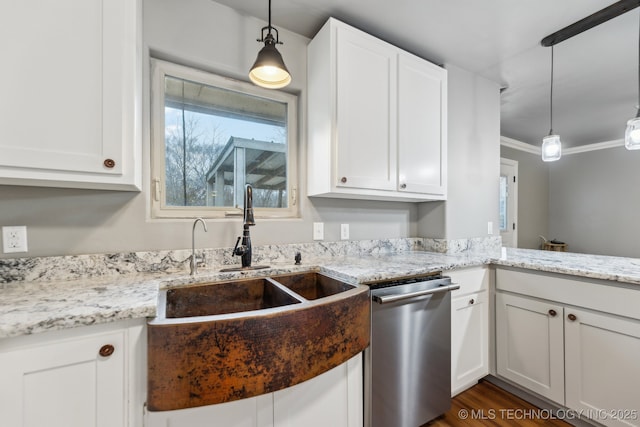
{"x":509,"y":202}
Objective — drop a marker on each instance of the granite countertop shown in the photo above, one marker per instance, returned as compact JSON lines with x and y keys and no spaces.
{"x":618,"y":269}
{"x":34,"y":307}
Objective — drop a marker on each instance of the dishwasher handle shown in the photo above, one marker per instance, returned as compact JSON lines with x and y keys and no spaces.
{"x":384,"y":299}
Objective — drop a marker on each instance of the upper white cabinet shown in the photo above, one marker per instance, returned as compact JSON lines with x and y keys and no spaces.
{"x":377,"y":119}
{"x":70,"y":104}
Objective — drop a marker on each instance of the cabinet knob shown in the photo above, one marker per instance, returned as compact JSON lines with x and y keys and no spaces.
{"x":106,"y":350}
{"x":109,"y":163}
{"x":403,"y":186}
{"x":472,"y":301}
{"x":572,"y":317}
{"x":343,"y":179}
{"x":552,"y":313}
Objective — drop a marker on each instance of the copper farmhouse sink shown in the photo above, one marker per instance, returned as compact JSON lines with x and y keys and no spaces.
{"x":225,"y":297}
{"x":221,"y":341}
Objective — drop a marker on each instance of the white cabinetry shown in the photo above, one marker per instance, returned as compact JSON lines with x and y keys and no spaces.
{"x":377,"y":119}
{"x":576,"y":342}
{"x":334,"y":398}
{"x":60,"y":379}
{"x":469,"y":327}
{"x":602,"y":368}
{"x":530,"y":344}
{"x":70,"y":105}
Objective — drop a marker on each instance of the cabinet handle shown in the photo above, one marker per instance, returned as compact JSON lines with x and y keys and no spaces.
{"x":472,"y":301}
{"x":343,"y":179}
{"x":403,"y":186}
{"x":106,"y":350}
{"x":552,"y":313}
{"x":572,"y":317}
{"x":109,"y":163}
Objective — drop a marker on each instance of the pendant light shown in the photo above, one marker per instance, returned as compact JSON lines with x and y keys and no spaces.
{"x":551,"y":145}
{"x":632,"y":134}
{"x":269,"y":70}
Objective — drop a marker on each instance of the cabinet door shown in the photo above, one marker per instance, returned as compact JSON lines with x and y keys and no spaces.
{"x":334,"y":399}
{"x":366,"y":112}
{"x":250,"y":412}
{"x":68,"y":102}
{"x":65,"y":384}
{"x":603,"y":366}
{"x":529,"y":341}
{"x":422,"y":126}
{"x":469,"y":340}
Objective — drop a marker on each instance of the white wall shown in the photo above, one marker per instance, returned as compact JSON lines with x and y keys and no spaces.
{"x":594,"y":202}
{"x":473,"y":161}
{"x":207,"y":35}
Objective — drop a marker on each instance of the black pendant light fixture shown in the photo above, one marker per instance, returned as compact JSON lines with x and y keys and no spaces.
{"x":632,"y":134}
{"x":551,"y":145}
{"x":269,"y":70}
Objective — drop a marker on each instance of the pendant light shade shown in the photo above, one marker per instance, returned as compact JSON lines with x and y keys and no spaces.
{"x":632,"y":134}
{"x":269,"y":70}
{"x":551,"y":148}
{"x":551,"y":144}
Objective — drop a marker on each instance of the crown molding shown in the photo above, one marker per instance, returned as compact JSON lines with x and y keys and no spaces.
{"x":519,"y":145}
{"x":528,"y":148}
{"x":594,"y":147}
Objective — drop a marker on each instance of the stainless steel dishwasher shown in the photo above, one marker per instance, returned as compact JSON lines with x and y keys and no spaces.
{"x":408,"y":363}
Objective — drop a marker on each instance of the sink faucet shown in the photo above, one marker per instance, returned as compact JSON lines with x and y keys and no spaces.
{"x":243,"y":244}
{"x":194,"y":261}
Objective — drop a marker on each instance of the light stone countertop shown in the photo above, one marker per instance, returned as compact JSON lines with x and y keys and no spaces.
{"x":34,"y":307}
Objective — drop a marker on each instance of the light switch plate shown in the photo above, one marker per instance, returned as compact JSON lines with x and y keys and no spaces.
{"x":490,"y":228}
{"x":318,"y":231}
{"x":344,"y":231}
{"x":14,"y":239}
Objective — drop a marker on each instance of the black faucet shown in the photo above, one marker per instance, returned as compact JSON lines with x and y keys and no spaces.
{"x":243,"y":244}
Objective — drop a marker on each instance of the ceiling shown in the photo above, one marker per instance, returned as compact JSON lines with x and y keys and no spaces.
{"x":595,"y":73}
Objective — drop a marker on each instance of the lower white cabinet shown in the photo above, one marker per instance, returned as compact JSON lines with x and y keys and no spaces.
{"x":334,"y":399}
{"x":469,"y":328}
{"x":584,"y":357}
{"x":73,"y":378}
{"x":602,"y":366}
{"x":529,"y":339}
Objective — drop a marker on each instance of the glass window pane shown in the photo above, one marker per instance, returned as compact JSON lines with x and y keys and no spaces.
{"x":216,"y":140}
{"x":503,"y":203}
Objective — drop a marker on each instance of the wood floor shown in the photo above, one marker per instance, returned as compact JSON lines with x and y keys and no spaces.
{"x":488,"y":405}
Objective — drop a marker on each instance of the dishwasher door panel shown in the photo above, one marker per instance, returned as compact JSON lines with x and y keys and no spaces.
{"x":409,"y":361}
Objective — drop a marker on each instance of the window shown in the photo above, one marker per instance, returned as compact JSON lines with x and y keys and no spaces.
{"x":212,"y":135}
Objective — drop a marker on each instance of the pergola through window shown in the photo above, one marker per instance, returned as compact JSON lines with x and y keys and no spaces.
{"x":247,"y":161}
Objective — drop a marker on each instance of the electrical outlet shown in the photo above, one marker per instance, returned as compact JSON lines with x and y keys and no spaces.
{"x":14,"y":239}
{"x":318,"y":231}
{"x":490,"y":228}
{"x":344,"y":231}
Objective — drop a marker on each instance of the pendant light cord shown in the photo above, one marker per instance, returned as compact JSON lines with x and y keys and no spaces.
{"x":269,"y":16}
{"x":637,"y":106}
{"x":550,"y":97}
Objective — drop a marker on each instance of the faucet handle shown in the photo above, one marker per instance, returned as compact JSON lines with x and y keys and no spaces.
{"x":238,"y":250}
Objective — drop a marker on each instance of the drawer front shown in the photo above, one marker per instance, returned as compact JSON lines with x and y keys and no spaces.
{"x":600,"y":295}
{"x":471,"y":280}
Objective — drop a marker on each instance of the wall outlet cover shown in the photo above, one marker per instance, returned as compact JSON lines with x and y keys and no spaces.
{"x":14,"y":239}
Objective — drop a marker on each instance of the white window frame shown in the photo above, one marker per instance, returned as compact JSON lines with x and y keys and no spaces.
{"x":160,"y":69}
